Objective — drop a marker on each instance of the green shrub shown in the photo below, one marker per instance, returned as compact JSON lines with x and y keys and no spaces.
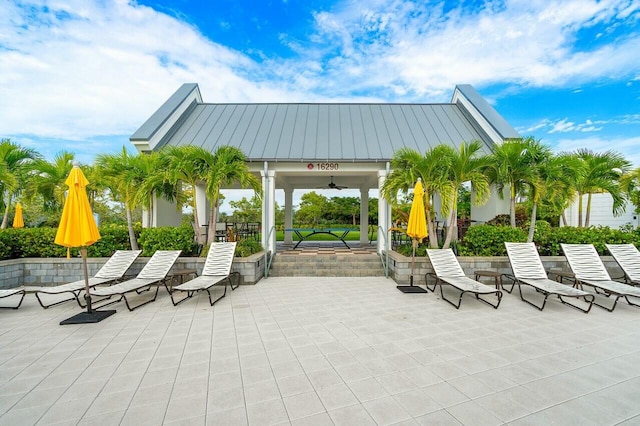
{"x":488,"y":240}
{"x":549,"y":244}
{"x":167,"y":238}
{"x":246,"y":248}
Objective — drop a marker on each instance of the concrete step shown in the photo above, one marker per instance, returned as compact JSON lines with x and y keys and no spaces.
{"x":326,"y":266}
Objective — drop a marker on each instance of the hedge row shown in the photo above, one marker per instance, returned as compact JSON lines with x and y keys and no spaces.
{"x":488,"y":240}
{"x":38,"y":242}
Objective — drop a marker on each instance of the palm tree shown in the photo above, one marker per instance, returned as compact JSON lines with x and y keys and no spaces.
{"x":47,"y":180}
{"x":224,"y":167}
{"x":600,"y":172}
{"x":126,"y":176}
{"x":15,"y":163}
{"x":511,"y":166}
{"x":630,"y":183}
{"x":187,"y":164}
{"x":466,"y":165}
{"x":408,"y":165}
{"x":556,"y":175}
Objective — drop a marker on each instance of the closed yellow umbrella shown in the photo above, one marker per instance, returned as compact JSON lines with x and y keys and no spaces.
{"x":417,"y":230}
{"x":18,"y":221}
{"x":78,"y":229}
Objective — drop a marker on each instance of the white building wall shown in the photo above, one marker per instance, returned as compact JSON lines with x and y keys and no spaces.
{"x":601,"y":212}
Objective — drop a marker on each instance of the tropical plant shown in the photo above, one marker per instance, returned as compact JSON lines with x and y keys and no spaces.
{"x":407,"y":166}
{"x":47,"y":181}
{"x":630,"y":183}
{"x":600,"y":172}
{"x":512,"y":167}
{"x":15,"y":164}
{"x":225,"y":167}
{"x":466,"y":165}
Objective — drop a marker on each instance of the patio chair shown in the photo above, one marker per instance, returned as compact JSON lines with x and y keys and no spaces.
{"x":589,"y":270}
{"x":113,"y":270}
{"x":448,"y":270}
{"x":12,"y":292}
{"x":216,"y":270}
{"x":528,"y":270}
{"x":154,"y":273}
{"x":628,"y":258}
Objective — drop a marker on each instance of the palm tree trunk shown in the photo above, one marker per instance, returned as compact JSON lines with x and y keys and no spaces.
{"x":564,"y":218}
{"x":433,"y":237}
{"x":5,"y":218}
{"x":453,"y":222}
{"x":196,"y":219}
{"x":579,"y":210}
{"x":132,"y":234}
{"x":532,"y":226}
{"x":213,"y":218}
{"x":512,"y":207}
{"x":588,"y":213}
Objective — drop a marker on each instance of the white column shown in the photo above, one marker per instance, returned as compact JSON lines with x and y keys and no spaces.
{"x":202,"y":204}
{"x":492,"y":208}
{"x":268,"y":208}
{"x":288,"y":214}
{"x":384,"y":216}
{"x":364,"y":215}
{"x":164,"y":213}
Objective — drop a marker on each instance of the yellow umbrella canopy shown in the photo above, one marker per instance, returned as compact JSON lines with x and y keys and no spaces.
{"x":417,"y":226}
{"x":77,"y":225}
{"x":18,"y":221}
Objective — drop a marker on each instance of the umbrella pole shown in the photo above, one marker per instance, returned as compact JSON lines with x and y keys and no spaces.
{"x":414,"y":243}
{"x":87,"y":295}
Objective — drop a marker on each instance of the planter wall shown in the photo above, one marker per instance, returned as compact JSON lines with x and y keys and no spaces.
{"x":54,"y":271}
{"x":400,"y":266}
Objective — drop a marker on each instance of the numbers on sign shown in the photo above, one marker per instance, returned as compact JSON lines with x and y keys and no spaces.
{"x":327,"y":166}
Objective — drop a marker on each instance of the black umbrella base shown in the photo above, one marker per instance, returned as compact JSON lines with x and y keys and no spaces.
{"x":411,"y":289}
{"x":88,"y":318}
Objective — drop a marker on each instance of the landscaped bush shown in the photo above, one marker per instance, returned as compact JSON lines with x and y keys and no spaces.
{"x":598,"y":236}
{"x":167,"y":238}
{"x":488,"y":240}
{"x":244,"y":248}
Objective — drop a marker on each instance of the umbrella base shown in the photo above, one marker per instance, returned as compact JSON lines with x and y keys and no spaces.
{"x":411,"y":289}
{"x":88,"y":318}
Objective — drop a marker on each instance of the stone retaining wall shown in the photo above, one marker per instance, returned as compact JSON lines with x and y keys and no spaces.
{"x":400,"y":266}
{"x":54,"y":271}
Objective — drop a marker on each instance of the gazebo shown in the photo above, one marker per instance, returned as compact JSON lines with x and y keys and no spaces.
{"x":308,"y":145}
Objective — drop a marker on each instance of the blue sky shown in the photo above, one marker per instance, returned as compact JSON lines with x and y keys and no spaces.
{"x":83,"y":75}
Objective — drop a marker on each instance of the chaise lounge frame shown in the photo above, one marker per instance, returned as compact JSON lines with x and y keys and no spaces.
{"x":448,"y":270}
{"x":628,"y":258}
{"x":216,"y":270}
{"x":13,"y":292}
{"x":154,"y":273}
{"x":113,"y":270}
{"x":528,"y":270}
{"x":589,"y":270}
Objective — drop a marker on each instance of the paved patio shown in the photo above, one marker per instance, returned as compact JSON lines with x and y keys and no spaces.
{"x":316,"y":351}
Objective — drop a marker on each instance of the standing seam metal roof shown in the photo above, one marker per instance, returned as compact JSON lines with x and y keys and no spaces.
{"x":324,"y":132}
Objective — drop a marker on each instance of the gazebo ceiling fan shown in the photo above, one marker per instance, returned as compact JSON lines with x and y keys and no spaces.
{"x":332,"y":185}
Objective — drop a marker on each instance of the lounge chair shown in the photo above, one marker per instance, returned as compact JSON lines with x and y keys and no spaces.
{"x":216,"y":270}
{"x":113,"y":270}
{"x":628,"y":258}
{"x":448,"y":270}
{"x":528,"y":270}
{"x":589,"y":270}
{"x":154,"y":273}
{"x":12,"y":292}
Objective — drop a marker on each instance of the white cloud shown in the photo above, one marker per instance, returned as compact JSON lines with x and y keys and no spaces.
{"x":92,"y":69}
{"x":628,"y":146}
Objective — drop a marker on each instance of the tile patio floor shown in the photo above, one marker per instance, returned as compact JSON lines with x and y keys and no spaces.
{"x":321,"y":351}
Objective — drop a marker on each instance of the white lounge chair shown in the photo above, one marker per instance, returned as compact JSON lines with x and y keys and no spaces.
{"x":589,"y":270}
{"x":216,"y":270}
{"x":113,"y":270}
{"x":628,"y":258}
{"x":448,"y":270}
{"x":154,"y":273}
{"x":13,"y":292}
{"x":528,"y":269}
